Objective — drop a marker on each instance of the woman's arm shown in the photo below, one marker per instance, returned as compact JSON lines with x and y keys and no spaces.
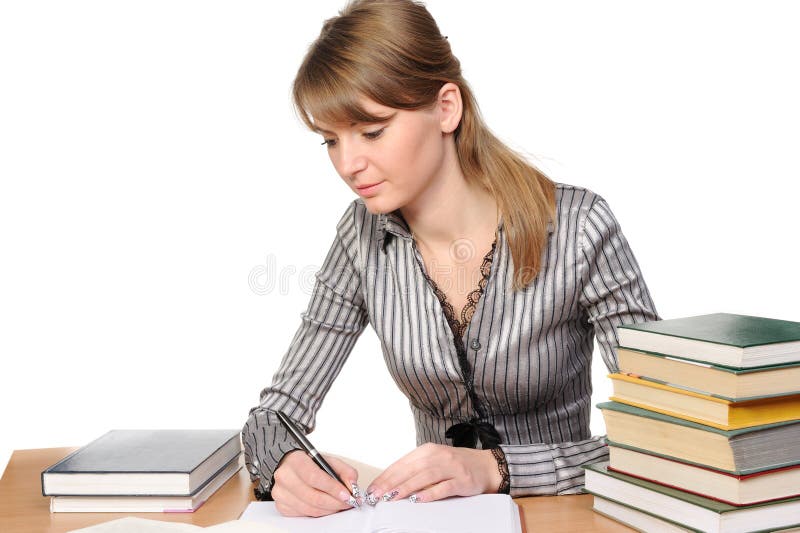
{"x":613,"y":292}
{"x":613,"y":289}
{"x":548,"y":469}
{"x":335,"y":318}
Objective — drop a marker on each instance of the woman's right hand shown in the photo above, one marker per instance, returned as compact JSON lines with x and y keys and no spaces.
{"x":303,"y":489}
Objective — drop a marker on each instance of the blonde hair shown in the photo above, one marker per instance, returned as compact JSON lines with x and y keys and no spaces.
{"x":392,"y":52}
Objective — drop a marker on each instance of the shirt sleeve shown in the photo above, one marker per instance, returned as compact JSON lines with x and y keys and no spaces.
{"x":613,"y":292}
{"x":335,"y":318}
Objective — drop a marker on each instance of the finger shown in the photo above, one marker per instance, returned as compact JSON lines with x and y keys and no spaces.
{"x":418,"y":483}
{"x":398,"y":472}
{"x":323,"y":482}
{"x":302,"y":470}
{"x":439,"y":491}
{"x":289,"y":504}
{"x":285,"y":510}
{"x":425,"y":458}
{"x":306,"y":483}
{"x":279,"y":494}
{"x":348,"y":474}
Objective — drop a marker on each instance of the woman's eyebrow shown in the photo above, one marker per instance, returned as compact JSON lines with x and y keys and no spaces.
{"x":323,"y":130}
{"x":383,"y":119}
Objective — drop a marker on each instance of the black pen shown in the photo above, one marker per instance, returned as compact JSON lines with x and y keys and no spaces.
{"x":313,"y":453}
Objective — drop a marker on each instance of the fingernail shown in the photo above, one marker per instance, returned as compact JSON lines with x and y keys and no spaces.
{"x":388,"y":497}
{"x":414,"y":498}
{"x":356,"y":490}
{"x":372,"y":497}
{"x":350,"y":500}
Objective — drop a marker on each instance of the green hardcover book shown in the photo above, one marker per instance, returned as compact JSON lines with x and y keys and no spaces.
{"x":740,"y":451}
{"x":769,"y":485}
{"x":724,"y":339}
{"x":720,"y":381}
{"x":689,"y":510}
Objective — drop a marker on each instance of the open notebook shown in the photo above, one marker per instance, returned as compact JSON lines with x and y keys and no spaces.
{"x":473,"y":514}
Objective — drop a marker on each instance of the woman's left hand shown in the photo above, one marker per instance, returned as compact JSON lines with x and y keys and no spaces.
{"x":434,"y":471}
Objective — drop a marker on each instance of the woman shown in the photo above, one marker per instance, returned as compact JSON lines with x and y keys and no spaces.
{"x":485,"y":281}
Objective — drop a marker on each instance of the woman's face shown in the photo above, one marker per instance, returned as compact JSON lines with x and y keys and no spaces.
{"x":392,"y":163}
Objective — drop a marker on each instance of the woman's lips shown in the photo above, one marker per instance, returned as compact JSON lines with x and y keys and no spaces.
{"x":369,"y":190}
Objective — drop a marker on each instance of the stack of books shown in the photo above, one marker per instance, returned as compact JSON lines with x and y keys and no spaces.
{"x":143,"y":471}
{"x":703,"y":427}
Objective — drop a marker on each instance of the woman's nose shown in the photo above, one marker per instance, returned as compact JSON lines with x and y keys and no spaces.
{"x":352,"y":159}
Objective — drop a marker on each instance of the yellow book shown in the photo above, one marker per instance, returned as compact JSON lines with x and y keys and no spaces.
{"x":702,"y":408}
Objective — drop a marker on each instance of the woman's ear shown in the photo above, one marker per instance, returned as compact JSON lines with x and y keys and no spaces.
{"x":450,"y":107}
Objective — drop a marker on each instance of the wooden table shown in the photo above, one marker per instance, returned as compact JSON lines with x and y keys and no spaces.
{"x":24,"y":509}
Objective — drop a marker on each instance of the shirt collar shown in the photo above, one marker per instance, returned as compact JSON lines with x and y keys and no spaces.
{"x":392,"y":224}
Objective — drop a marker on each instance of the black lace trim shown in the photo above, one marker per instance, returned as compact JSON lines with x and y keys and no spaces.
{"x":459,"y":327}
{"x":502,"y":466}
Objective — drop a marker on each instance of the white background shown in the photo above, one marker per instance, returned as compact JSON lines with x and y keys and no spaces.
{"x":151,"y":163}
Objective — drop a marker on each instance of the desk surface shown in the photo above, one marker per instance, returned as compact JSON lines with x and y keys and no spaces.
{"x":24,"y":509}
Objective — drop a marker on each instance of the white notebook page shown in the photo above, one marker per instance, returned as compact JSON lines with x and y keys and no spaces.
{"x":474,"y":514}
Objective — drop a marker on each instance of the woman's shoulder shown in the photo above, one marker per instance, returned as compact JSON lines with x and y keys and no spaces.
{"x":572,"y":200}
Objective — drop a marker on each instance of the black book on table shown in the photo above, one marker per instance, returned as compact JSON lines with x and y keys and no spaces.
{"x":133,"y":462}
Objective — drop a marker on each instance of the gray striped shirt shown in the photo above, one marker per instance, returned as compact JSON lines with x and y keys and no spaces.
{"x":530,"y":351}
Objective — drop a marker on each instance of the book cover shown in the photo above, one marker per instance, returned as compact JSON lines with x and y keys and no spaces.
{"x":735,"y":473}
{"x":736,"y":341}
{"x":636,"y":518}
{"x":147,"y":504}
{"x":134,"y":462}
{"x":718,"y":368}
{"x":694,"y":499}
{"x":692,"y":511}
{"x":769,"y":485}
{"x":742,"y":451}
{"x":728,"y":434}
{"x":703,"y":408}
{"x":741,"y":331}
{"x":723,"y":382}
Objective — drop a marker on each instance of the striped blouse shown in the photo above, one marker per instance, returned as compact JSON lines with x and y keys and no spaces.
{"x":529,"y":351}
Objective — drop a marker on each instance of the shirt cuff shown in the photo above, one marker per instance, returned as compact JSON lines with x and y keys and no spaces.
{"x":549,"y":469}
{"x":531,"y":468}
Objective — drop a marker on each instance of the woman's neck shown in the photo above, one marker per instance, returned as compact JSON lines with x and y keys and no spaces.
{"x":451,"y":209}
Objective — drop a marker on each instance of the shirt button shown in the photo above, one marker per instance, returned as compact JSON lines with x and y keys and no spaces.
{"x":475,"y":345}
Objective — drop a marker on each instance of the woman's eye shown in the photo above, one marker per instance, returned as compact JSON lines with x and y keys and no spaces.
{"x":329,"y":142}
{"x":373,"y":134}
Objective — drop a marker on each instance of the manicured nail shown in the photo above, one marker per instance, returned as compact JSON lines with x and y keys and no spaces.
{"x":355,"y":489}
{"x":414,"y":498}
{"x":372,"y":497}
{"x":351,"y":501}
{"x":388,"y":497}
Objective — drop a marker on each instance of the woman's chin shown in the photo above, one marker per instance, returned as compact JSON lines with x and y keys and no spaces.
{"x":377,"y":205}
